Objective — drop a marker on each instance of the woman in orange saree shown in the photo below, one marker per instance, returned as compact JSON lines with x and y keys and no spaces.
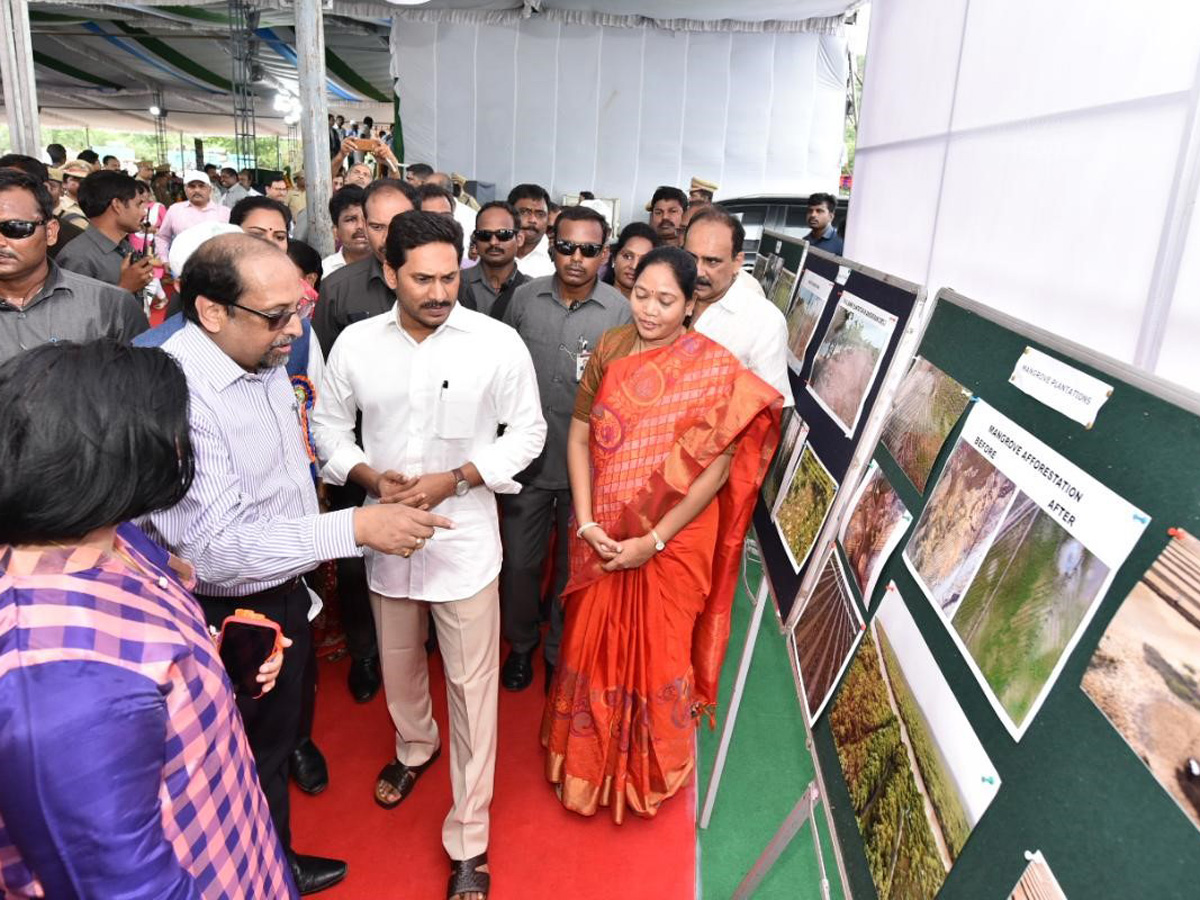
{"x":668,"y":447}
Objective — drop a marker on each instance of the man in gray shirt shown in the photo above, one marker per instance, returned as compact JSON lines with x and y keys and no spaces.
{"x":39,"y":302}
{"x":115,"y":205}
{"x":233,"y":191}
{"x":488,"y":286}
{"x":561,"y":318}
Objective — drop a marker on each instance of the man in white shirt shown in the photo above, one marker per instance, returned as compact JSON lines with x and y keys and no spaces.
{"x":742,"y":321}
{"x":349,"y":229}
{"x":533,"y":206}
{"x":433,"y":382}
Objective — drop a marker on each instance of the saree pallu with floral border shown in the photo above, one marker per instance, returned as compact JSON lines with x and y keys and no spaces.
{"x":642,"y":648}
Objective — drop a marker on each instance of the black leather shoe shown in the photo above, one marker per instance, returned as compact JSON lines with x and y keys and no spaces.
{"x":549,"y":676}
{"x":517,"y":673}
{"x":309,"y":769}
{"x":315,"y":873}
{"x":364,"y":678}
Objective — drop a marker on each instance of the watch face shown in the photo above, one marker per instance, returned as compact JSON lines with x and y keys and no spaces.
{"x":461,"y":488}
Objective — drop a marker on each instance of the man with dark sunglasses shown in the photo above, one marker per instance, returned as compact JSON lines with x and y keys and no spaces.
{"x":561,"y":318}
{"x":488,"y":287}
{"x":39,"y":301}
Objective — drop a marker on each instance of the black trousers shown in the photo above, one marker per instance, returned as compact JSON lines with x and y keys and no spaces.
{"x":353,"y":595}
{"x":525,"y":522}
{"x":272,"y":722}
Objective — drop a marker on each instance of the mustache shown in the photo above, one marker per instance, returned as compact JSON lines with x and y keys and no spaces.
{"x":436,"y":304}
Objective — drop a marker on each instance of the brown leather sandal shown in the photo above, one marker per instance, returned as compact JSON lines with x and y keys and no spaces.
{"x":465,"y":877}
{"x":401,"y":778}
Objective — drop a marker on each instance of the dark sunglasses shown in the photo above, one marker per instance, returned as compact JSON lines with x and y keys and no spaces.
{"x":19,"y":229}
{"x":568,"y":248}
{"x":275,"y":321}
{"x":503,"y":235}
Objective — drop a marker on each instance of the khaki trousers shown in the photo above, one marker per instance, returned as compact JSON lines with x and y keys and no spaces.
{"x":469,"y":642}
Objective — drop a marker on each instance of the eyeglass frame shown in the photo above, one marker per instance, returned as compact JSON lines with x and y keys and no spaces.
{"x":588,"y":250}
{"x":275,"y":321}
{"x":494,"y":233}
{"x":36,"y":223}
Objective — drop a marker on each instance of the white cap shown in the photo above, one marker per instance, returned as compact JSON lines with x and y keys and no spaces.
{"x":189,"y":240}
{"x":190,"y":175}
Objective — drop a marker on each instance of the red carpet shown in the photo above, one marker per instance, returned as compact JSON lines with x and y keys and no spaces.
{"x":537,"y":848}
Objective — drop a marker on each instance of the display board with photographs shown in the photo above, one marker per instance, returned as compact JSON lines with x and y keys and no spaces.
{"x":803,"y":504}
{"x":793,"y":433}
{"x":870,"y":534}
{"x":782,"y":290}
{"x":925,"y":411}
{"x":811,"y":296}
{"x":825,"y":636}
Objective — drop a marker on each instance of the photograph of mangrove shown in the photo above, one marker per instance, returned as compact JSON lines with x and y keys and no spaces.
{"x":794,"y":431}
{"x":928,"y":405}
{"x":825,"y":635}
{"x":918,"y":777}
{"x":803,"y":504}
{"x":849,"y":358}
{"x":1145,"y":673}
{"x":781,"y":291}
{"x":877,"y":522}
{"x":1036,"y":587}
{"x":966,"y":507}
{"x":1038,"y":882}
{"x":811,"y":297}
{"x":761,"y":263}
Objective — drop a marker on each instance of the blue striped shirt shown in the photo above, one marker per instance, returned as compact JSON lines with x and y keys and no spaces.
{"x":250,"y":520}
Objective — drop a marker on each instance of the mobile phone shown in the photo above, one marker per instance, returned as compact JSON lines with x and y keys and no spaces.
{"x":248,"y":639}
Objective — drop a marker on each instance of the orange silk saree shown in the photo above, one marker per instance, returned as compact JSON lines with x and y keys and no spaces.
{"x":642,"y":648}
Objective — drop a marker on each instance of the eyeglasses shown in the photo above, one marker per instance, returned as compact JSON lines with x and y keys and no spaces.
{"x":530,"y":211}
{"x":19,"y":229}
{"x":568,"y":248}
{"x":483,"y":236}
{"x":275,"y":321}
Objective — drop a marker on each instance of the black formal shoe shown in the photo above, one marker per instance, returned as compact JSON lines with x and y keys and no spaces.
{"x":315,"y":873}
{"x":517,"y":673}
{"x":309,"y":769}
{"x":549,"y":676}
{"x":364,"y":678}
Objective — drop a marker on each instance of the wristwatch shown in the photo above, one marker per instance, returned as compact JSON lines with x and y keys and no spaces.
{"x":659,"y":546}
{"x":461,"y":485}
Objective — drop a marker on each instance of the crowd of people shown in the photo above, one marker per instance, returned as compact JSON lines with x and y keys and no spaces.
{"x":497,"y":419}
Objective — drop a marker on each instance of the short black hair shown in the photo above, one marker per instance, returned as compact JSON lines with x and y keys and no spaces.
{"x":57,"y":153}
{"x":27,"y":164}
{"x":430,"y":191}
{"x":89,"y":156}
{"x":367,"y":120}
{"x":682,"y":266}
{"x":421,"y":170}
{"x":343,"y":199}
{"x":107,"y":158}
{"x":212,"y":271}
{"x":275,"y":178}
{"x":583,"y":214}
{"x":91,"y":435}
{"x":16,"y":178}
{"x":229,"y":171}
{"x":413,"y":229}
{"x":383,"y":185}
{"x":501,"y":204}
{"x":529,"y":192}
{"x":725,"y":217}
{"x":666,"y":192}
{"x":586,"y":195}
{"x":208,"y":166}
{"x":247,"y":205}
{"x":98,"y":190}
{"x":249,"y":172}
{"x":304,"y":256}
{"x":820,"y":199}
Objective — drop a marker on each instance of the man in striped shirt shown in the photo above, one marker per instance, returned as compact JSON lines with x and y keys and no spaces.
{"x":250,"y":523}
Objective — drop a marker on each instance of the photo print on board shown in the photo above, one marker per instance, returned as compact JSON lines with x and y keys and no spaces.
{"x":873,"y":530}
{"x":774,"y":267}
{"x":811,"y":297}
{"x":1145,"y":673}
{"x":1037,"y":882}
{"x":849,"y":359}
{"x":782,"y":290}
{"x":803,"y":505}
{"x":795,"y":432}
{"x":928,"y":405}
{"x":759,"y":274}
{"x":1016,"y":549}
{"x":826,"y":633}
{"x":919,"y":779}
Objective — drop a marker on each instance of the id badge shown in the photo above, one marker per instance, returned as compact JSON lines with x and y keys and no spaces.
{"x":581,"y":361}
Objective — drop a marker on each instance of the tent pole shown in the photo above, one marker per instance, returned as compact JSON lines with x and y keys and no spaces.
{"x":314,"y":128}
{"x":20,"y":88}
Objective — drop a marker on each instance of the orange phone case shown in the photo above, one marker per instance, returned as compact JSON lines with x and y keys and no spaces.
{"x":257,"y":620}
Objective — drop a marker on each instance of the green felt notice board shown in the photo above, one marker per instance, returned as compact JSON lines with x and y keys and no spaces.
{"x":1071,"y":787}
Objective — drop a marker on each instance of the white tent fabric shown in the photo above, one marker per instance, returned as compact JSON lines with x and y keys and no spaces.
{"x":620,"y":111}
{"x":1043,"y":158}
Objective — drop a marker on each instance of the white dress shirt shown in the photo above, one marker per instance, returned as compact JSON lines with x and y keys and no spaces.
{"x":537,"y":263}
{"x":250,"y":519}
{"x":753,"y":329}
{"x":332,"y":263}
{"x":430,"y":407}
{"x":746,"y":280}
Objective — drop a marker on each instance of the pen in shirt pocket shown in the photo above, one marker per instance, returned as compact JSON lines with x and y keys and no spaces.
{"x":445,"y":387}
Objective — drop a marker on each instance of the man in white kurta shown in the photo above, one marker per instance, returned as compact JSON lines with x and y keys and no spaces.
{"x":433,"y":382}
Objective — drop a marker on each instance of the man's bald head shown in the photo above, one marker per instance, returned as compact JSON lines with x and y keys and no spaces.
{"x":218,"y":268}
{"x":442,"y":180}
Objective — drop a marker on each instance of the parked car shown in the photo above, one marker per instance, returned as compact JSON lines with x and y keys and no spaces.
{"x":785,"y":214}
